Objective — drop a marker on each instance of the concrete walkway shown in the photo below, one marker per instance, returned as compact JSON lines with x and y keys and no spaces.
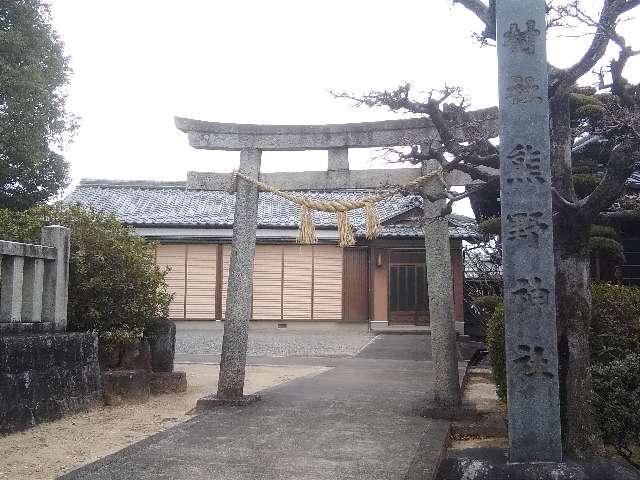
{"x":355,"y":421}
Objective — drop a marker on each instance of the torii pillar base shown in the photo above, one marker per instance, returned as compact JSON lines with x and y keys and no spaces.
{"x":213,"y":401}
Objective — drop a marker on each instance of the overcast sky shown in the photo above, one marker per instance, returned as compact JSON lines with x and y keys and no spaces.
{"x":137,"y":63}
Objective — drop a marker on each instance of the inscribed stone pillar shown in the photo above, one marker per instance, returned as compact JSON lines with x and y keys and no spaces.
{"x":446,"y":386}
{"x":240,"y":284}
{"x":527,"y":233}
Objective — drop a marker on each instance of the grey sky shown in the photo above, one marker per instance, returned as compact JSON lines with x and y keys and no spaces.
{"x":137,"y":63}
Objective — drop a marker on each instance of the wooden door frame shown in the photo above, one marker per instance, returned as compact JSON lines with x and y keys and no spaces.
{"x":367,"y":251}
{"x":414,"y":313}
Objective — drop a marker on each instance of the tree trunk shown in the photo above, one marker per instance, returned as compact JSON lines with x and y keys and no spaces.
{"x":573,"y":299}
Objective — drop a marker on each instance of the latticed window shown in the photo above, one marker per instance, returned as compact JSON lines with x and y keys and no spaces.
{"x":408,"y":288}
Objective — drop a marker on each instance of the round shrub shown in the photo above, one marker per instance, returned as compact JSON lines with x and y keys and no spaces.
{"x":585,"y":183}
{"x":114,"y":282}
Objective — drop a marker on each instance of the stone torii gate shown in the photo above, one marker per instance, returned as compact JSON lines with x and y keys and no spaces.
{"x":251,"y":140}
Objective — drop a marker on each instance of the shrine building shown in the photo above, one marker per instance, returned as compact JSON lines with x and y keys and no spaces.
{"x":382,"y":279}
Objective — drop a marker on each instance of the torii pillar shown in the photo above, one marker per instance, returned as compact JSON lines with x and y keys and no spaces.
{"x":444,"y":352}
{"x":240,"y":284}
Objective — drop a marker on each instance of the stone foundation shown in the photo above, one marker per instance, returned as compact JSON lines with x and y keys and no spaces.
{"x":125,"y":386}
{"x":43,"y":377}
{"x":168,"y":382}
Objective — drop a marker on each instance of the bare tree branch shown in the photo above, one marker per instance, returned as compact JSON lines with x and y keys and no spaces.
{"x":605,"y":31}
{"x":486,"y":13}
{"x":562,"y":204}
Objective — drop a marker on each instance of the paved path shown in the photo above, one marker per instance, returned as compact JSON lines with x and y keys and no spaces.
{"x":355,"y":421}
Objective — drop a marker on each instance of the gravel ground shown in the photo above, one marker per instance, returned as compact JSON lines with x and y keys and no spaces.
{"x":50,"y":449}
{"x":266,"y":340}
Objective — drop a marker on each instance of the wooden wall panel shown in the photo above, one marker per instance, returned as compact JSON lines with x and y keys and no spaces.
{"x":201,"y":281}
{"x":226,"y":256}
{"x":297,"y":282}
{"x":356,"y":285}
{"x":267,"y":282}
{"x":327,"y":283}
{"x":173,"y":256}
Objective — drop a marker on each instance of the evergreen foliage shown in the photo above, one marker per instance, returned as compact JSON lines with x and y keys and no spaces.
{"x":615,"y":351}
{"x":34,"y":122}
{"x":114,"y":282}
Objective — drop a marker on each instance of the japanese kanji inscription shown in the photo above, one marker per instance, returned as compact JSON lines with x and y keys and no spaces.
{"x":527,"y":233}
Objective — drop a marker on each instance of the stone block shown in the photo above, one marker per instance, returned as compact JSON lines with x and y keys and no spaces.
{"x":168,"y":382}
{"x":489,"y":464}
{"x":137,"y":357}
{"x":89,"y":348}
{"x":161,"y":336}
{"x":43,"y":377}
{"x":44,"y":355}
{"x":23,"y":328}
{"x":125,"y":357}
{"x":125,"y":386}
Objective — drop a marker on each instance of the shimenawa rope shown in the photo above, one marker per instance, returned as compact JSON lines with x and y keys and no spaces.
{"x":307,"y":230}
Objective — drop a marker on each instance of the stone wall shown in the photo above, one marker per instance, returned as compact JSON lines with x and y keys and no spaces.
{"x":43,"y":377}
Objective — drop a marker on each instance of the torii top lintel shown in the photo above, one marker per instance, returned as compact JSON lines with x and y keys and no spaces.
{"x":388,"y":133}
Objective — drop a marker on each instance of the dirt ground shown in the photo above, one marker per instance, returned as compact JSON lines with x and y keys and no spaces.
{"x":488,"y":429}
{"x":51,"y":449}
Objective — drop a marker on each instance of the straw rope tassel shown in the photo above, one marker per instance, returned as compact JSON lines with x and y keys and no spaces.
{"x":306,"y":229}
{"x":344,"y":230}
{"x":372,"y":220}
{"x":307,"y":233}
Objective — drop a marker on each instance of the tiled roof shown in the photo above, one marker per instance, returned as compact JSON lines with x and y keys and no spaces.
{"x":159,"y":204}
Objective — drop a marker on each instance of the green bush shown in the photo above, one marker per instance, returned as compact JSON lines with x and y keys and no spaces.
{"x":607,"y":249}
{"x":495,"y":345}
{"x":615,"y":353}
{"x":615,"y":322}
{"x":114,"y":282}
{"x":616,"y":400}
{"x":615,"y":328}
{"x":487,"y":304}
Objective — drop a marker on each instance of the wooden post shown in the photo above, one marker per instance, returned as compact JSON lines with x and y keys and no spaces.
{"x":240,"y":284}
{"x":446,"y":386}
